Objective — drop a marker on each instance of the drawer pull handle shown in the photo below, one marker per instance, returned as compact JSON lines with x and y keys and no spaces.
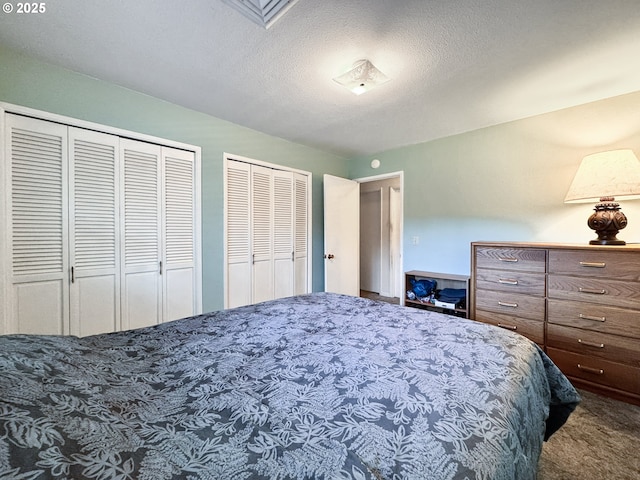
{"x":596,"y":371}
{"x":507,"y":281}
{"x":508,"y":259}
{"x":593,"y":264}
{"x":591,"y":291}
{"x":506,"y":304}
{"x":508,"y":327}
{"x":590,"y":344}
{"x":595,"y":319}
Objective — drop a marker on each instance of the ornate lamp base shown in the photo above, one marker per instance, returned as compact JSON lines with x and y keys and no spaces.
{"x":607,"y":221}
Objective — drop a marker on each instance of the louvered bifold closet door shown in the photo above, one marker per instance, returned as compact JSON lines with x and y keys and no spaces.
{"x":94,"y":232}
{"x":179,"y":275}
{"x":283,"y":233}
{"x":141,"y":234}
{"x":301,"y":236}
{"x":237,"y":217}
{"x":262,"y":233}
{"x":38,"y":226}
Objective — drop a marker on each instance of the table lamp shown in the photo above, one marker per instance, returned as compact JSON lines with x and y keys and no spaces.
{"x":604,"y":177}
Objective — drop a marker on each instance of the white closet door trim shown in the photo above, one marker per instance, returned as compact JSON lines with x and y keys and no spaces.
{"x":75,"y":122}
{"x":273,"y":166}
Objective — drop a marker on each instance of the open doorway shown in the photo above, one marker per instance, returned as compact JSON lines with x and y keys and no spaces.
{"x":381,"y":237}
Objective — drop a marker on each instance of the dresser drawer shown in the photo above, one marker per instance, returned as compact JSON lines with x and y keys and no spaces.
{"x":521,"y":259}
{"x":532,"y":329}
{"x":510,"y":281}
{"x":597,"y":370}
{"x":594,"y":344}
{"x":597,"y":264}
{"x":517,"y":305}
{"x":591,"y":316}
{"x":615,"y":293}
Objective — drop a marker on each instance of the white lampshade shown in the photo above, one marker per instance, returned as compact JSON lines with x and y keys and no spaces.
{"x":608,"y":174}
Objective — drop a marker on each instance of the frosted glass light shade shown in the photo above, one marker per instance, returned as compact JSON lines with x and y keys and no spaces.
{"x":362,"y":77}
{"x":608,"y":174}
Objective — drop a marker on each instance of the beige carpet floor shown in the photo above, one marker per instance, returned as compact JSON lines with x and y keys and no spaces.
{"x":600,"y":441}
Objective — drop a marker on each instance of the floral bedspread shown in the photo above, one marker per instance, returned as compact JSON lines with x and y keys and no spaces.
{"x":317,"y":386}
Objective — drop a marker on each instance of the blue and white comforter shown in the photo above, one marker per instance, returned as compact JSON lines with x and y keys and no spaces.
{"x":316,"y":386}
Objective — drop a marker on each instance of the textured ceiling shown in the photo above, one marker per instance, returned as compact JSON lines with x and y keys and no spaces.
{"x":455,"y":65}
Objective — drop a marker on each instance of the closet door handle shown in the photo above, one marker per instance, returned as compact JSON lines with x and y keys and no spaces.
{"x":73,"y":275}
{"x":160,"y":267}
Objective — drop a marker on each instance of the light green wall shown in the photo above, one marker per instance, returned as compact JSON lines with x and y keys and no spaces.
{"x":505,"y":182}
{"x":31,"y":83}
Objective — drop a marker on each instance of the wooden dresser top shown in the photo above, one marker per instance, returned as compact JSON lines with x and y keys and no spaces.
{"x":633,"y":247}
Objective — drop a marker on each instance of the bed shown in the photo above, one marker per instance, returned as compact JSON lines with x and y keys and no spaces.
{"x":315,"y":386}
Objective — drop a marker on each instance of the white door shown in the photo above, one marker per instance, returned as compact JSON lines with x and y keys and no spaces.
{"x":37,"y":227}
{"x":301,"y":255}
{"x":262,"y":233}
{"x":237,"y":217}
{"x":178,"y":269}
{"x":141,"y":234}
{"x":283,"y":234}
{"x":341,"y":235}
{"x":94,"y":230}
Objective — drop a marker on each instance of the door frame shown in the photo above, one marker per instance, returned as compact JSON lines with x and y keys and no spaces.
{"x":372,"y":241}
{"x":398,"y":274}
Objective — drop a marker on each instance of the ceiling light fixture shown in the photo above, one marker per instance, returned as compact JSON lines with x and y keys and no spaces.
{"x":362,"y":77}
{"x":263,"y":12}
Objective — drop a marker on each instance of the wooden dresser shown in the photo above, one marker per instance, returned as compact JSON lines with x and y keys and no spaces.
{"x":581,"y":303}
